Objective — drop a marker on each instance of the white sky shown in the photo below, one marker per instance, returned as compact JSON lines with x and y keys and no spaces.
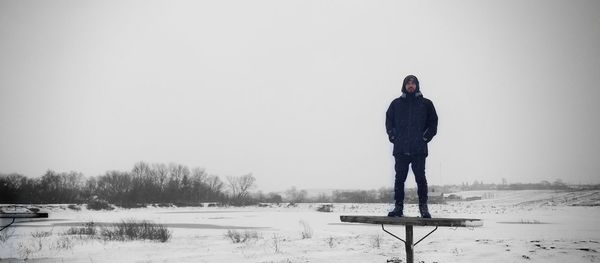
{"x":295,"y":92}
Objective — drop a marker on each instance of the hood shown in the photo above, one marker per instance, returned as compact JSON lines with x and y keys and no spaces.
{"x":416,"y":80}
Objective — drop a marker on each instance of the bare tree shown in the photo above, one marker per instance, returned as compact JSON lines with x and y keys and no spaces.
{"x":240,"y":186}
{"x":215,"y":184}
{"x":140,"y":169}
{"x":199,"y":175}
{"x":293,"y":195}
{"x":161,"y":173}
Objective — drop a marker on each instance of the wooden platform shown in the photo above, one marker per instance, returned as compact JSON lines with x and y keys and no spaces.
{"x":23,"y":215}
{"x":14,"y":216}
{"x":409,"y":223}
{"x":412,"y":221}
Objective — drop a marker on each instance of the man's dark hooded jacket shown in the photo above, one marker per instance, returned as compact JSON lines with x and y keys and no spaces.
{"x":411,"y":121}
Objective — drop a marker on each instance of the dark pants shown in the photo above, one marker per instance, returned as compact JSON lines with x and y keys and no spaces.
{"x":418,"y":168}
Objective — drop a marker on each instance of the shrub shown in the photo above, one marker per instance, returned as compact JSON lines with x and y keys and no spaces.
{"x":331,"y":241}
{"x":132,"y":205}
{"x":88,"y":229}
{"x":241,"y":237}
{"x":5,"y":235}
{"x":39,"y":239}
{"x":26,"y":249}
{"x":41,"y":234}
{"x":325,"y":208}
{"x":306,"y":230}
{"x":99,"y":204}
{"x":376,"y":241}
{"x":190,"y":204}
{"x":74,"y":207}
{"x":136,"y":230}
{"x":63,"y":243}
{"x":276,"y":242}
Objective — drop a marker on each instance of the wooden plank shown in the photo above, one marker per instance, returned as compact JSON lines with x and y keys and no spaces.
{"x":412,"y":221}
{"x":23,"y":215}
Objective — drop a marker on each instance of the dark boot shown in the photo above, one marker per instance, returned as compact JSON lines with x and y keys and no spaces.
{"x":397,"y":212}
{"x":424,"y":211}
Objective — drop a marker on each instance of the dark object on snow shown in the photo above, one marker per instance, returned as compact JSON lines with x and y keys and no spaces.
{"x":99,"y":204}
{"x":74,"y":207}
{"x":325,"y":208}
{"x":14,"y":216}
{"x":453,"y":197}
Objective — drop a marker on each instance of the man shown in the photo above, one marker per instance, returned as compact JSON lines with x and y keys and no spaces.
{"x":411,"y":123}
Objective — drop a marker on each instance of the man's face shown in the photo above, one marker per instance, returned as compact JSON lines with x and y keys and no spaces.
{"x":411,"y":86}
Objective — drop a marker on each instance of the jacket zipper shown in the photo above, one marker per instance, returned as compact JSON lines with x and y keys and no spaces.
{"x":408,"y":124}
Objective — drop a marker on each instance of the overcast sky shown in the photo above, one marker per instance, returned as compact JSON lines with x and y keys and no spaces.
{"x":295,"y":92}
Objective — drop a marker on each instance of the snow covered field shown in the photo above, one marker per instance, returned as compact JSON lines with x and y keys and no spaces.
{"x":519,"y":226}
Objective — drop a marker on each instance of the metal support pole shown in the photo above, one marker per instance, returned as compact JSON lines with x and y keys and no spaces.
{"x":426,"y":235}
{"x":14,"y":216}
{"x":409,"y":244}
{"x":392,"y":234}
{"x":13,"y":220}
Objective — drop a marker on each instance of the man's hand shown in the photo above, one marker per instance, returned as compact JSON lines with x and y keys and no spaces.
{"x":391,"y":135}
{"x":427,"y":136}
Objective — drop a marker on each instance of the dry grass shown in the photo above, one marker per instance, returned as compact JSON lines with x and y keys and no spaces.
{"x":376,"y":241}
{"x":331,"y":241}
{"x":88,"y":229}
{"x":307,"y":231}
{"x":277,"y":242}
{"x":5,"y":235}
{"x":99,"y":204}
{"x":241,"y":237}
{"x":135,"y":230}
{"x":128,"y":229}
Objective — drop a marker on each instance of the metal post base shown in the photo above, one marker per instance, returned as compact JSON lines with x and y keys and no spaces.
{"x":408,"y":243}
{"x":14,"y":216}
{"x":13,"y":220}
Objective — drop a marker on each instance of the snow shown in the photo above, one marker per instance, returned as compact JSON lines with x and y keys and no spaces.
{"x":518,"y":226}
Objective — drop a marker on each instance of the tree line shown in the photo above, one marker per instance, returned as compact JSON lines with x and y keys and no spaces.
{"x":177,"y":184}
{"x":145,"y":183}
